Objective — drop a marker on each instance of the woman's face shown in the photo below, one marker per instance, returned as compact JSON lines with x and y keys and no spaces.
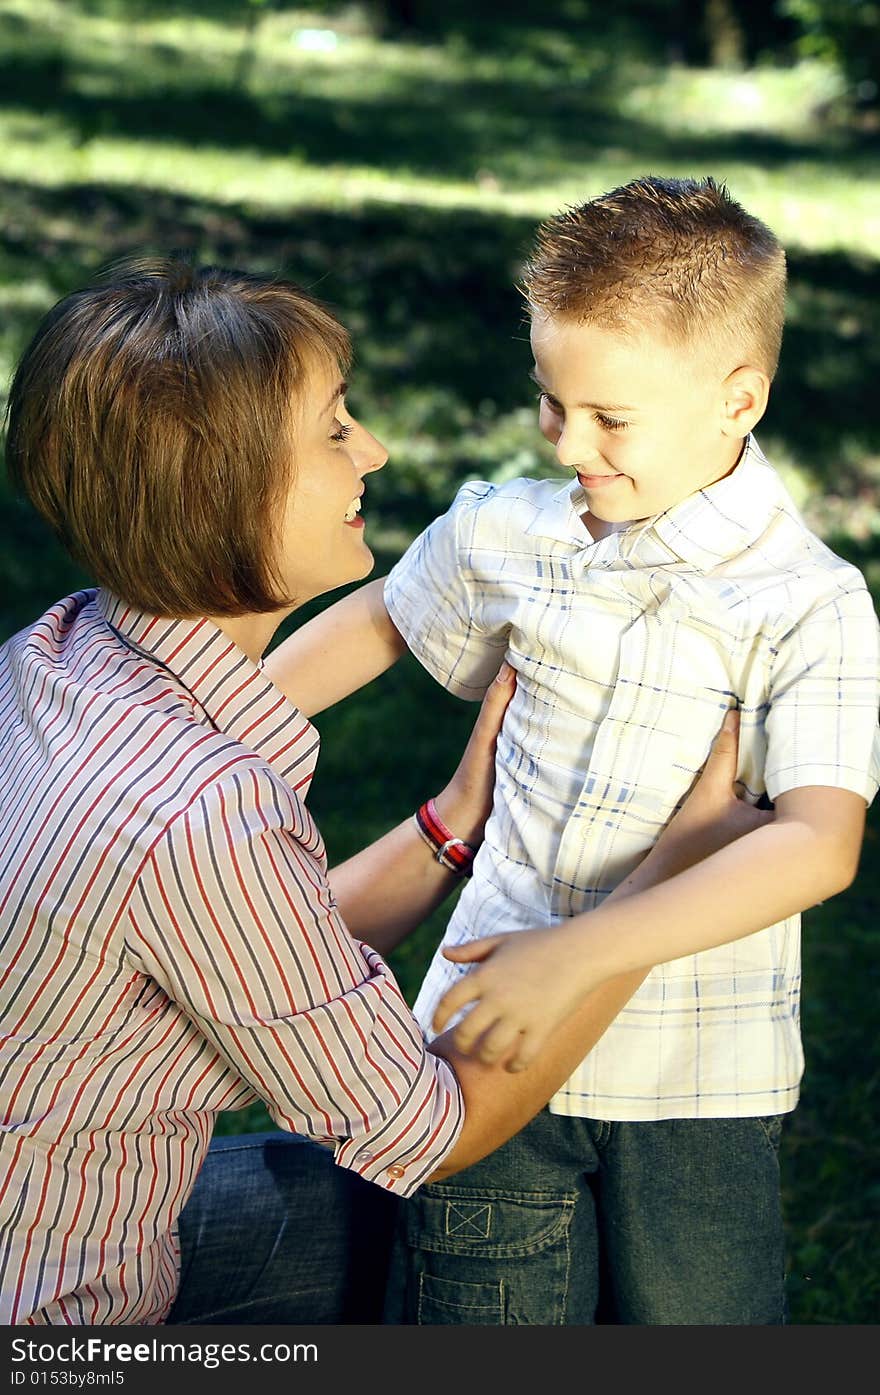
{"x":322,"y":535}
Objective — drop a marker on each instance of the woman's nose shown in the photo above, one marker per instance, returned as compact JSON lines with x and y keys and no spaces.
{"x":371,"y":454}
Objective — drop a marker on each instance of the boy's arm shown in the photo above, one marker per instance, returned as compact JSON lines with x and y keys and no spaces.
{"x":532,"y":980}
{"x":498,"y":1104}
{"x":344,"y":647}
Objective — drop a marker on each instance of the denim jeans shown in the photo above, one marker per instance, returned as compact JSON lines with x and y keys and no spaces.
{"x":575,"y":1221}
{"x":275,"y":1232}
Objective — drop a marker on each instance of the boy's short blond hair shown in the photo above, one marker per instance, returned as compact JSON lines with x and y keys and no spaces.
{"x":674,"y":255}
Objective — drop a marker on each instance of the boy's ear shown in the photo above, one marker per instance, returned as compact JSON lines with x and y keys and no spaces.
{"x":745,"y":392}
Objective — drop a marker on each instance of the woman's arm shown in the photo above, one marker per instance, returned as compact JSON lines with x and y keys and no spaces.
{"x":389,"y":888}
{"x":344,"y":647}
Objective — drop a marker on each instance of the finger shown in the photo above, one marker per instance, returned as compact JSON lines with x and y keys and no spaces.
{"x":498,"y":1041}
{"x":468,"y":1032}
{"x":494,"y":706}
{"x":526,"y":1052}
{"x":453,"y":1000}
{"x":721,"y":761}
{"x":472,"y":951}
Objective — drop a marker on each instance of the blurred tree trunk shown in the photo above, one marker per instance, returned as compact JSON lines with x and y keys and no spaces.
{"x":725,"y":35}
{"x":247,"y":54}
{"x":397,"y":16}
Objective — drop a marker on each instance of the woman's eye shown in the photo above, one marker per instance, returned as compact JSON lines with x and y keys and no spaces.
{"x":341,"y":433}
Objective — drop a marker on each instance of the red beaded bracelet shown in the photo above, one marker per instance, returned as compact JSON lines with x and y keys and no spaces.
{"x":453,"y":853}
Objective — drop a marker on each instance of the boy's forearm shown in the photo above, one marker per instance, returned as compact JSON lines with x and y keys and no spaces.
{"x":645,"y":921}
{"x":499,"y":1103}
{"x":344,"y":647}
{"x":769,"y":874}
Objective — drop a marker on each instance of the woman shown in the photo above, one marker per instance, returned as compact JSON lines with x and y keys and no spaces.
{"x":172,"y":942}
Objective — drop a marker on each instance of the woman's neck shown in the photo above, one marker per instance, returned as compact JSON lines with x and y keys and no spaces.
{"x":251,"y":633}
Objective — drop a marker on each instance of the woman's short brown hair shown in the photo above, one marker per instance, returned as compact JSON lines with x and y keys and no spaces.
{"x":151,"y":423}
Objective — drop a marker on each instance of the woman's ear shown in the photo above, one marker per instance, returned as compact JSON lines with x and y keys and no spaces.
{"x":745,"y":393}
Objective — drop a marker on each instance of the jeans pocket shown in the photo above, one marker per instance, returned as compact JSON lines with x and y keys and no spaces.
{"x":771,"y":1127}
{"x":490,"y":1258}
{"x":456,"y":1302}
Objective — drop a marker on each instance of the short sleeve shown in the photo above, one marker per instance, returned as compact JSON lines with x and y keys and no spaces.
{"x":824,"y":695}
{"x":233,"y":916}
{"x":436,"y":600}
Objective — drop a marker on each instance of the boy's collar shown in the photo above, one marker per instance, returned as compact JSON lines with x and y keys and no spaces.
{"x":728,"y":516}
{"x":706,"y":528}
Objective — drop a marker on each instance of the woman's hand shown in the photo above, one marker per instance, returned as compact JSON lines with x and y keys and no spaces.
{"x":529,"y":981}
{"x":466,"y":802}
{"x":711,"y":816}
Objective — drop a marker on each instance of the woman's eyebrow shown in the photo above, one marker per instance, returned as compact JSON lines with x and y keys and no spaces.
{"x":338,"y":392}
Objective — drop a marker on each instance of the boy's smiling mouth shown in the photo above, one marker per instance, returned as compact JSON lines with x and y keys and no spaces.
{"x":594,"y":481}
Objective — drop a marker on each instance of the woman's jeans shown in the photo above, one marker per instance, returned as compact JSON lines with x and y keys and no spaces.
{"x":275,"y":1232}
{"x":575,"y":1221}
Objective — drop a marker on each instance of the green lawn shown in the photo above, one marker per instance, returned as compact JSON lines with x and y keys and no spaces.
{"x":401,"y":181}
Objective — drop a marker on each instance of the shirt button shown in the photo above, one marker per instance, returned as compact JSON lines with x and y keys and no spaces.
{"x":395,"y":1171}
{"x":364,"y":1156}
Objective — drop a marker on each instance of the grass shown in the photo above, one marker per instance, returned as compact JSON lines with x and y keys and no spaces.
{"x":402,"y":182}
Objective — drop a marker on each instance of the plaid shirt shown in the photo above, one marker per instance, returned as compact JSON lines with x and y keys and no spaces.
{"x":170,"y":948}
{"x":628,"y":652}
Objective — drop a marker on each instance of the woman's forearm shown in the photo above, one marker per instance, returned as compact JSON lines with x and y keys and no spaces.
{"x":389,"y":888}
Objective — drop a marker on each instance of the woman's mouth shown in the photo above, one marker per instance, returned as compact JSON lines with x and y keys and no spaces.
{"x":351,"y":514}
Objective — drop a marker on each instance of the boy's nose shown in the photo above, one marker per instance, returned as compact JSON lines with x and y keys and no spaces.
{"x":574,"y":448}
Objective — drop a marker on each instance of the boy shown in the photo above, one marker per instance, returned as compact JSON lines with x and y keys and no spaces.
{"x":675,"y":580}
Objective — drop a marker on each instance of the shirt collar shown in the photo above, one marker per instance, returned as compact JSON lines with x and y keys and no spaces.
{"x":724,"y":519}
{"x":235,"y":695}
{"x":706,"y":528}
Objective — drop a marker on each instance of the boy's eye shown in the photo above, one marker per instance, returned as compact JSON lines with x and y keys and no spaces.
{"x":546,"y":400}
{"x":610,"y":423}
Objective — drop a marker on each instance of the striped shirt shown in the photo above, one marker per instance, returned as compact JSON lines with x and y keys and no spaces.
{"x":170,"y":948}
{"x":628,"y":652}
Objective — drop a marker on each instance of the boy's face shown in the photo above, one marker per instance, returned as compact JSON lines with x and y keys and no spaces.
{"x":642,"y":423}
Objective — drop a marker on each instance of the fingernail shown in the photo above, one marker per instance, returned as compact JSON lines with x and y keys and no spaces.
{"x":504,"y":674}
{"x":730,"y":720}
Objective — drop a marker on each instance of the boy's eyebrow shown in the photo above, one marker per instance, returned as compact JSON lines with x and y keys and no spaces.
{"x":593,"y":406}
{"x":338,"y":392}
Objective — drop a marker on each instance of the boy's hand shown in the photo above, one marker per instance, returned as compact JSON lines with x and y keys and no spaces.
{"x":466,"y":802}
{"x":529,"y":981}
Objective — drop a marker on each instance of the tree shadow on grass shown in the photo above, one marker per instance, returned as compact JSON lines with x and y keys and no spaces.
{"x":447,"y":125}
{"x":430,"y":298}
